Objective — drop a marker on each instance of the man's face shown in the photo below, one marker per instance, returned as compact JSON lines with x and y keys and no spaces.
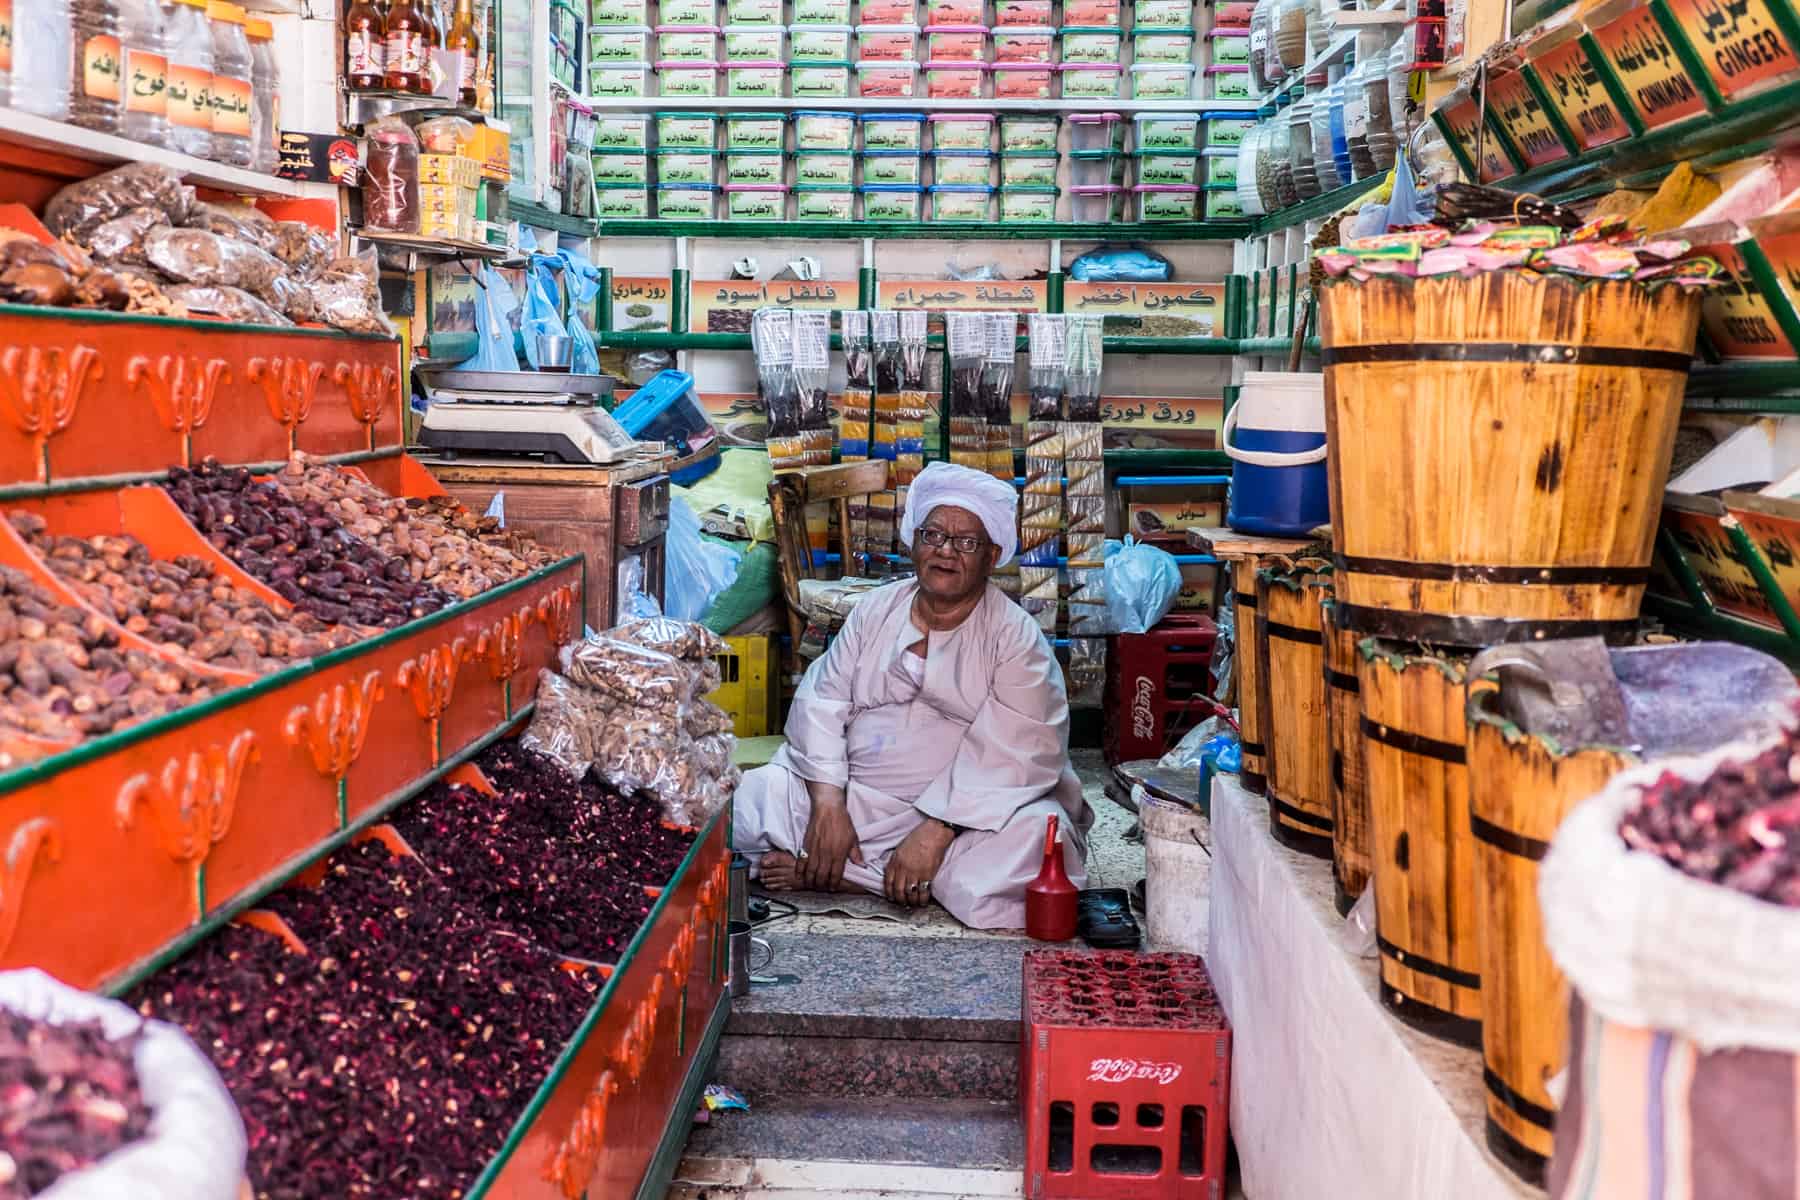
{"x":946,"y":572}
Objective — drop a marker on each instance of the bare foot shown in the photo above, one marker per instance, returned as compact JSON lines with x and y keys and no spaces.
{"x":780,"y":871}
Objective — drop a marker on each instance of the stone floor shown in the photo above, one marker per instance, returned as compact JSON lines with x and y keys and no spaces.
{"x":949,"y":997}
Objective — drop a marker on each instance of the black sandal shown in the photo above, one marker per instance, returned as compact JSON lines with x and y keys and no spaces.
{"x":1104,"y":920}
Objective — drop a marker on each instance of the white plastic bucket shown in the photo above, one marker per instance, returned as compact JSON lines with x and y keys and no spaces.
{"x":1275,"y":433}
{"x":1177,"y":873}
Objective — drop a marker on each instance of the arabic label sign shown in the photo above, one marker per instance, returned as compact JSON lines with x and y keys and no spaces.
{"x":1158,"y":518}
{"x":814,"y":294}
{"x":1164,"y":414}
{"x":1735,"y":313}
{"x":640,"y":303}
{"x":1151,"y":309}
{"x":1738,"y":40}
{"x":1777,"y":537}
{"x":1462,"y":120}
{"x":1512,"y":101}
{"x":1709,"y":552}
{"x":1640,"y":54}
{"x":724,"y":306}
{"x":1573,"y":84}
{"x":1783,"y":253}
{"x":951,"y":295}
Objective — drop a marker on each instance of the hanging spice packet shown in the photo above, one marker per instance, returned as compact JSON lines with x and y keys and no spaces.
{"x":772,"y":342}
{"x":996,"y":391}
{"x":859,"y":383}
{"x":915,"y":405}
{"x":965,"y":336}
{"x":812,"y":376}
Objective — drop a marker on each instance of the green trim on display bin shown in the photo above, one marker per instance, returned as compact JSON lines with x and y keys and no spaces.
{"x":1319,"y":206}
{"x":1185,"y":231}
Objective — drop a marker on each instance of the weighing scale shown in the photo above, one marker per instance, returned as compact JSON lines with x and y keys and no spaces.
{"x":557,"y":417}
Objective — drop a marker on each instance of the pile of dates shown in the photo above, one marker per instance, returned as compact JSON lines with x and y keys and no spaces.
{"x":443,"y":544}
{"x":64,"y":676}
{"x":300,"y":550}
{"x":1738,"y":828}
{"x":184,"y":604}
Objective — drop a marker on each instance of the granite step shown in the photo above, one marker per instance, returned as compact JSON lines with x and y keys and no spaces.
{"x":920,"y":1018}
{"x":901,"y":1135}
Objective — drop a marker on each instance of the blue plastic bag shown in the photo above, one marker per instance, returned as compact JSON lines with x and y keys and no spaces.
{"x":543,"y":305}
{"x":494,"y":310}
{"x":1404,"y":207}
{"x":695,"y":570}
{"x":581,"y":279}
{"x":1113,"y":265}
{"x":1141,"y":583}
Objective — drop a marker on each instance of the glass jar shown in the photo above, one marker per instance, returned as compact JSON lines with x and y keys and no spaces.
{"x":1281,"y":162}
{"x":232,"y":94}
{"x":1300,"y":152}
{"x":1290,"y":34}
{"x":1318,"y":29}
{"x":144,"y":49}
{"x":1374,"y":85}
{"x":1249,"y":195}
{"x":94,"y":66}
{"x":1340,"y":148}
{"x":265,"y":96}
{"x":1324,"y":156}
{"x":190,"y":77}
{"x":1399,"y":80}
{"x":1261,"y":27}
{"x":41,"y":54}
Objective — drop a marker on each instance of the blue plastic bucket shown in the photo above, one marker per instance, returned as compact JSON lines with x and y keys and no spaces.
{"x":1275,"y":434}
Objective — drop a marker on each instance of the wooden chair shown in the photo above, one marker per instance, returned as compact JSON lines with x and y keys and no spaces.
{"x":790,"y":492}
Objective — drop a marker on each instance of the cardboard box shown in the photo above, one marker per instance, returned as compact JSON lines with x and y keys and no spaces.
{"x":492,"y":148}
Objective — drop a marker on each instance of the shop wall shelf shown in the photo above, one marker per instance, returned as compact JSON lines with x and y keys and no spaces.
{"x":916,"y":104}
{"x":741,"y":341}
{"x":1172,"y":231}
{"x":31,"y":132}
{"x":1317,"y":207}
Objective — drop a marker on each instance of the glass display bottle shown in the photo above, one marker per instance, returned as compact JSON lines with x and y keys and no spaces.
{"x":464,"y":40}
{"x":1300,"y":149}
{"x":190,"y":77}
{"x":1399,"y":80}
{"x":1249,"y":195}
{"x":406,"y":48}
{"x":144,"y":47}
{"x":365,"y":47}
{"x":232,"y":91}
{"x":265,"y":97}
{"x":1260,"y":27}
{"x":1290,"y":34}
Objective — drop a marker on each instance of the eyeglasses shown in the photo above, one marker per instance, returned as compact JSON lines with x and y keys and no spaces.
{"x":937,"y":539}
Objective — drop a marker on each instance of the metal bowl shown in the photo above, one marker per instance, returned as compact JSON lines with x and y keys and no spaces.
{"x":554,"y":351}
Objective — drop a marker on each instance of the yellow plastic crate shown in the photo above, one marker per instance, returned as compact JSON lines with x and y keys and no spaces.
{"x":749,"y":680}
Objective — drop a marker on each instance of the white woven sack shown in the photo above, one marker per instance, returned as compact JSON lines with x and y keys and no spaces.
{"x":194,"y":1148}
{"x":1650,"y":947}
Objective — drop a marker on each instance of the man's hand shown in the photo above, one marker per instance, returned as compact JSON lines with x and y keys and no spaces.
{"x":830,"y":840}
{"x":914,"y":864}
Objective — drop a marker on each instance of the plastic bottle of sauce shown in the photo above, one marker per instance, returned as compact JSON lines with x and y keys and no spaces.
{"x":190,"y":77}
{"x":265,"y":96}
{"x":408,"y":48}
{"x":231,"y":86}
{"x":94,"y":91}
{"x":144,"y":40}
{"x":39,"y":79}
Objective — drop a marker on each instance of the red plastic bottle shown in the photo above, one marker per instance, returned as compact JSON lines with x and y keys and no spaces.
{"x":1050,"y":898}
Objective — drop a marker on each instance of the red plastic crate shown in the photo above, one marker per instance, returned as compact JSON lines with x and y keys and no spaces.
{"x":1126,"y":1073}
{"x":1157,"y":686}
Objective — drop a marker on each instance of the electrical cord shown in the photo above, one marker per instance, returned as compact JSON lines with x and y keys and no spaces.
{"x":769,"y":915}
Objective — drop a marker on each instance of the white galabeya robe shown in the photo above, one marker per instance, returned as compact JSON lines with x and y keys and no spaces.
{"x":981,"y":743}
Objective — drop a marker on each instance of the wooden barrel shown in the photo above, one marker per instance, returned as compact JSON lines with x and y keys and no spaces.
{"x":1427,"y":921}
{"x":1538,"y":416}
{"x":1293,"y":664}
{"x":1519,"y":791}
{"x":1348,"y":785}
{"x":1253,"y":772}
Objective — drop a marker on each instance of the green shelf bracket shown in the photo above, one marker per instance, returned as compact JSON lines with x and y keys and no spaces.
{"x":867,"y":287}
{"x":1319,"y":206}
{"x":1765,"y":579}
{"x":1234,"y":306}
{"x":1762,"y":271}
{"x":1683,"y":571}
{"x":1053,"y":292}
{"x":603,"y":305}
{"x":678,"y":304}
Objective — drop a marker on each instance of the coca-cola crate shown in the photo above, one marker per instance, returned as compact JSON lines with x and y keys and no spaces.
{"x":1126,"y":1072}
{"x":1157,"y":686}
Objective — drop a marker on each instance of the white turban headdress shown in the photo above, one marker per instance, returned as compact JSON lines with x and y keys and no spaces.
{"x":991,"y":500}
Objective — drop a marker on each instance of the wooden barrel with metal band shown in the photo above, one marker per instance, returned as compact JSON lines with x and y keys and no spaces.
{"x":1427,"y":922}
{"x":1253,"y":773}
{"x":1347,"y":784}
{"x":1538,"y":414}
{"x":1520,"y":789}
{"x":1292,"y":656}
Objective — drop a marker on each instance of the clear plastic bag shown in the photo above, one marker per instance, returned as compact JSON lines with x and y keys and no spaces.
{"x":348,"y":297}
{"x":543,"y":305}
{"x":195,"y":1146}
{"x":225,"y":303}
{"x":121,"y":240}
{"x":633,"y":675}
{"x":566,"y":722}
{"x":79,"y":208}
{"x":201,"y":257}
{"x":582,"y":280}
{"x":306,"y":250}
{"x":695,"y":570}
{"x":676,"y":638}
{"x":1142,"y":582}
